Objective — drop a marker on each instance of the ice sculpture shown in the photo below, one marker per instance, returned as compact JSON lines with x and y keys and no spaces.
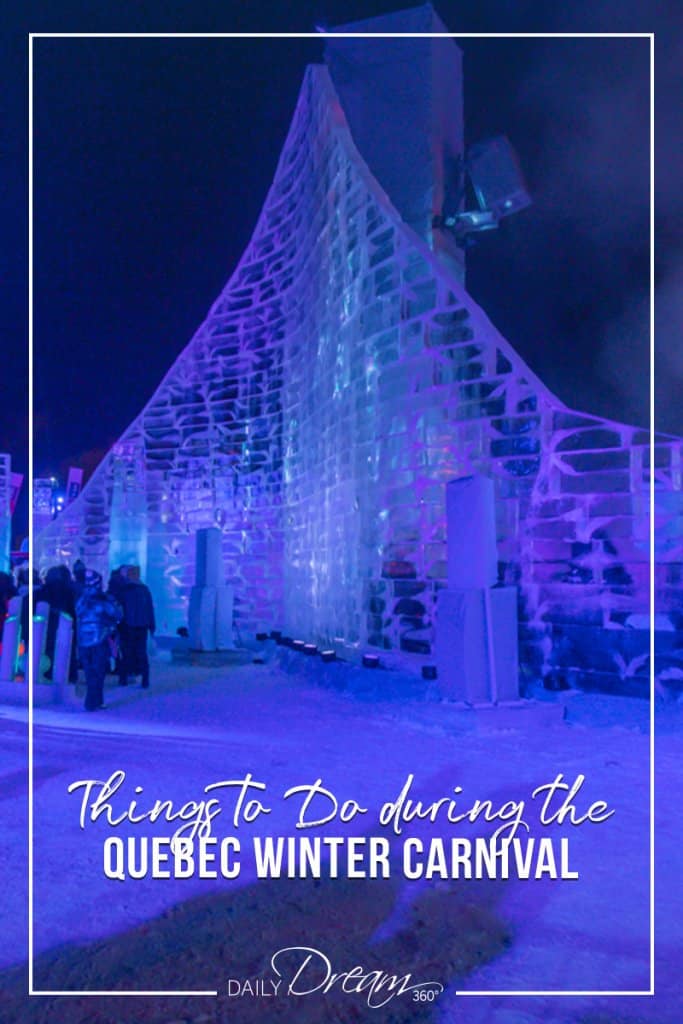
{"x":340,"y":380}
{"x":211,"y":601}
{"x":476,"y":624}
{"x":128,"y":509}
{"x":11,"y":637}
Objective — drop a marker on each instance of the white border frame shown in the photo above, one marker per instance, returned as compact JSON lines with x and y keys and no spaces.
{"x":347,"y":35}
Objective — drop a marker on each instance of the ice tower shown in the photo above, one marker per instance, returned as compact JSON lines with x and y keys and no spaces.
{"x":343,"y":376}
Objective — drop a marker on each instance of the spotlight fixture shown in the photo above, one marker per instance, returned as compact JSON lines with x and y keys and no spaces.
{"x":310,"y":649}
{"x":495,"y":177}
{"x":328,"y":655}
{"x":493,"y":168}
{"x":298,"y":645}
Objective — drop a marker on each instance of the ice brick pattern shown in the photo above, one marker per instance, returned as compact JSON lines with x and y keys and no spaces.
{"x":5,"y":513}
{"x":340,"y":379}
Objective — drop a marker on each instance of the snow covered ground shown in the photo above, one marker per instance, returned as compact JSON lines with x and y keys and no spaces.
{"x":363,"y":732}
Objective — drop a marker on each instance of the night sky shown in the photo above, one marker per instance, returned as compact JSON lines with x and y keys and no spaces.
{"x":153,"y":158}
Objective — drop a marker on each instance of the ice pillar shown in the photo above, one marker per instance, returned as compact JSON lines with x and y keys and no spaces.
{"x":62,"y":655}
{"x":38,"y":636}
{"x":403,"y":100}
{"x":10,"y":641}
{"x":5,"y":511}
{"x":211,"y":600}
{"x":128,"y":514}
{"x":476,"y":625}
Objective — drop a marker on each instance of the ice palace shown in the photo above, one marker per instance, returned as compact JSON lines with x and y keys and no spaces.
{"x":340,"y":420}
{"x":344,"y":377}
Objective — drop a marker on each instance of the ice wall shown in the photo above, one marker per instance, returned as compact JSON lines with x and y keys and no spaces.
{"x":342,"y":377}
{"x":128,"y":511}
{"x":5,"y":511}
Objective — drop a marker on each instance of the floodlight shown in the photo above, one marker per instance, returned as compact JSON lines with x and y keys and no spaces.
{"x":493,"y":168}
{"x":496,"y":180}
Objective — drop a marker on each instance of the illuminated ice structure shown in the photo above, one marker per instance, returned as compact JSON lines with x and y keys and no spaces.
{"x":343,"y":377}
{"x":5,"y":510}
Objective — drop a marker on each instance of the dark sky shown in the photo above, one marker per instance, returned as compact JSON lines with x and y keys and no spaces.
{"x":153,"y":157}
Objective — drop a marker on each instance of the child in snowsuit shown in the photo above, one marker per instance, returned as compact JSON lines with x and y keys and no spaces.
{"x":97,"y":615}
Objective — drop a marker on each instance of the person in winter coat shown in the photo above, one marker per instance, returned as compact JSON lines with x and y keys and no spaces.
{"x":138,"y":620}
{"x":97,"y":615}
{"x":25,"y":583}
{"x":7,"y":592}
{"x":117,"y":584}
{"x":58,"y":592}
{"x":79,"y":570}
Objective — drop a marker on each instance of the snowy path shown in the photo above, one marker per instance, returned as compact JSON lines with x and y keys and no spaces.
{"x":196,"y":727}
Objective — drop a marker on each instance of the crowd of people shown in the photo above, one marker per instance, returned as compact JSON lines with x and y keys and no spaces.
{"x":110,"y":628}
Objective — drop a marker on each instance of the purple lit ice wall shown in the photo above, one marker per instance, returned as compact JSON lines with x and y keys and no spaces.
{"x":5,"y":510}
{"x":341,"y":379}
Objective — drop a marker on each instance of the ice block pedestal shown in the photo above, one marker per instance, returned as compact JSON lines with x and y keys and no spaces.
{"x":9,"y":657}
{"x":476,"y":621}
{"x":38,"y":636}
{"x":210,"y":612}
{"x":476,"y":644}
